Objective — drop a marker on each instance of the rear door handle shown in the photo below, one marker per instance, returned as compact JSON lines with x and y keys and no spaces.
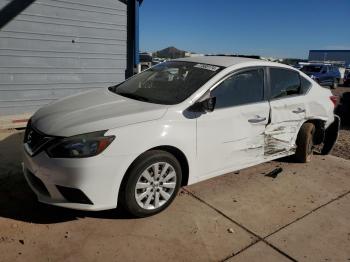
{"x":258,"y":119}
{"x":299,"y":111}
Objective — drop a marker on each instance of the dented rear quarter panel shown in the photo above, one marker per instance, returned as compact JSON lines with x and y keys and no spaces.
{"x":319,"y":105}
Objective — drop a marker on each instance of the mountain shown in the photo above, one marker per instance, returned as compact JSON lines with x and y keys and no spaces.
{"x":170,"y":52}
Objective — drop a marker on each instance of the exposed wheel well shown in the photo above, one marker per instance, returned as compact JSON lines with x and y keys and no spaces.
{"x":319,"y":130}
{"x":180,"y":156}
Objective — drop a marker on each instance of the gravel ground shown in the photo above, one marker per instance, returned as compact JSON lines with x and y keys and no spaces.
{"x":342,"y":147}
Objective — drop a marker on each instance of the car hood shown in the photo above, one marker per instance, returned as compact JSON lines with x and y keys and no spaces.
{"x":93,"y":111}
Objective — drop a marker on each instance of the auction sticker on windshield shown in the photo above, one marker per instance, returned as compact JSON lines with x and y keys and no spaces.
{"x":208,"y":67}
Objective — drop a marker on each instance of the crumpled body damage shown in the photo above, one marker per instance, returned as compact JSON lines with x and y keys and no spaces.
{"x":280,"y":138}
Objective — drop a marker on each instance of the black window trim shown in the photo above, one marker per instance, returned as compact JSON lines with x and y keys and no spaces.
{"x":238,"y":71}
{"x":284,"y":97}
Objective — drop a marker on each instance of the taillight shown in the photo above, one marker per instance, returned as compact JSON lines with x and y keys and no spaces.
{"x":334,"y":99}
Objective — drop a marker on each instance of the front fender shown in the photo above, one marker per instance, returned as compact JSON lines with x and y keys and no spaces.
{"x":136,"y":139}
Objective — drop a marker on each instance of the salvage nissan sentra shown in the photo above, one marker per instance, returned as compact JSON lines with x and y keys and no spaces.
{"x":176,"y":124}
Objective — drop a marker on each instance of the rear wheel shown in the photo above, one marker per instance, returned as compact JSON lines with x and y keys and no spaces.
{"x":305,"y":143}
{"x":151,"y":184}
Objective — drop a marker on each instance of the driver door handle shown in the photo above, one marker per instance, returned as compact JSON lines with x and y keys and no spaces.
{"x":258,"y":119}
{"x":299,"y":111}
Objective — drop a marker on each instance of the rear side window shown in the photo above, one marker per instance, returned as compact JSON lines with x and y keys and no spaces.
{"x":305,"y":85}
{"x":284,"y":83}
{"x":242,"y":88}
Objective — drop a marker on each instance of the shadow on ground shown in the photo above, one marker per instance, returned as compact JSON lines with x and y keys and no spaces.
{"x":18,"y":202}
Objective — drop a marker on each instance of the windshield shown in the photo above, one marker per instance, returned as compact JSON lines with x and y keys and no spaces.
{"x":168,"y":83}
{"x":312,"y":68}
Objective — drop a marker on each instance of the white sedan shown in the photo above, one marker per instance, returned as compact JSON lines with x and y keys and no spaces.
{"x":176,"y":124}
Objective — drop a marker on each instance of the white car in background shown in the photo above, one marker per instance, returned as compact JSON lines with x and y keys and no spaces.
{"x":176,"y":124}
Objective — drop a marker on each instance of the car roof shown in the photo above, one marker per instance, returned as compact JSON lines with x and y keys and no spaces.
{"x":224,"y":61}
{"x":228,"y":61}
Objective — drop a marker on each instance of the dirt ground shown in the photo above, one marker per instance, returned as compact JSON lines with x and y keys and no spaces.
{"x":342,"y":148}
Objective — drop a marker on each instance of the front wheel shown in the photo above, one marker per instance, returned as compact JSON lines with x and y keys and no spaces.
{"x":151,"y":183}
{"x":305,"y":145}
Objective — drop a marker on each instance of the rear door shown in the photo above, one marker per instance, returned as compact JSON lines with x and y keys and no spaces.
{"x":232,"y":136}
{"x":288,"y":110}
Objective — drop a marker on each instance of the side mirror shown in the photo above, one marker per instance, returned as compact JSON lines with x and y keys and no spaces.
{"x":207,"y":105}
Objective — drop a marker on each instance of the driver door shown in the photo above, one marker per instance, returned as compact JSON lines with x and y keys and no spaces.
{"x":232,"y":136}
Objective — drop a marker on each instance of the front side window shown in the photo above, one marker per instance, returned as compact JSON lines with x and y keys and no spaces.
{"x":242,"y":88}
{"x":284,"y":82}
{"x":167,"y":83}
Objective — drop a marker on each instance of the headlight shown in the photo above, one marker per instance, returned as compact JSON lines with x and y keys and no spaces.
{"x":86,"y":145}
{"x":313,"y":77}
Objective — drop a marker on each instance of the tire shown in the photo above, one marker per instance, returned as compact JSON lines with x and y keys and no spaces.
{"x":142,"y":202}
{"x":335,"y":84}
{"x":305,"y":143}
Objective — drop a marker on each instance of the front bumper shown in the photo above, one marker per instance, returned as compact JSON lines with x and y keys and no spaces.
{"x":84,"y":184}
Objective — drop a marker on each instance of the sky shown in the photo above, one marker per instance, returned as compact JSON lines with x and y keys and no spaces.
{"x":271,"y":28}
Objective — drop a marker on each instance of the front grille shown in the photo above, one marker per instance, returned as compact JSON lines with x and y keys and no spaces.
{"x":34,"y":140}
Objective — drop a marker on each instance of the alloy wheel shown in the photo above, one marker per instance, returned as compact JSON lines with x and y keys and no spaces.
{"x":155,"y":186}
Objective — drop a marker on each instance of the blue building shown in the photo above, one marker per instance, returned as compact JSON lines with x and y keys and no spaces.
{"x":340,"y":57}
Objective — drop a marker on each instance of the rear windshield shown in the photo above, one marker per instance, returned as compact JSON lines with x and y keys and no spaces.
{"x":167,"y":83}
{"x":312,"y":68}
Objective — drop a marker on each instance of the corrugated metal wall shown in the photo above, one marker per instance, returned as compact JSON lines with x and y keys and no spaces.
{"x":55,"y":48}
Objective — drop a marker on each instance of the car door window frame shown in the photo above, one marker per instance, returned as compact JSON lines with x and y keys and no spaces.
{"x":239,"y":71}
{"x":308,"y":88}
{"x":269,"y":85}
